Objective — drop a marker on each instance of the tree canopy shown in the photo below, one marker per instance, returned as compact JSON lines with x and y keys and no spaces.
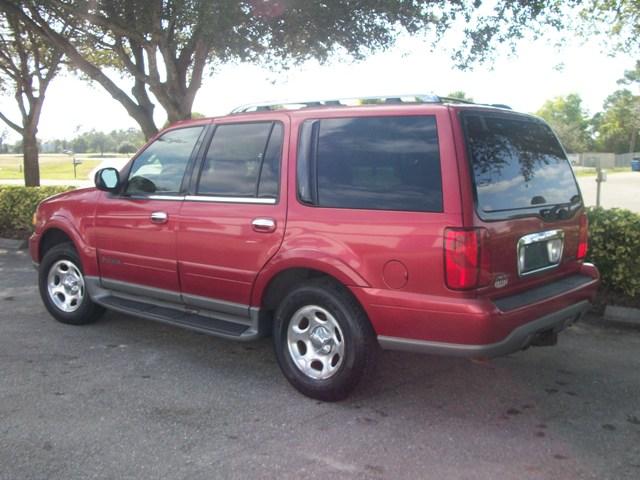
{"x":617,"y":125}
{"x":568,"y":119}
{"x":164,"y":47}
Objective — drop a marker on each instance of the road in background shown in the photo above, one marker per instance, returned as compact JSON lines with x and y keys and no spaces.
{"x":130,"y":398}
{"x":621,"y":190}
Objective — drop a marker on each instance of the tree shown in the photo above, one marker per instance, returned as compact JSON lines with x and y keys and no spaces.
{"x":567,"y":118}
{"x":79,"y":145}
{"x":166,"y":46}
{"x":617,"y":125}
{"x":126,"y":147}
{"x":99,"y":142}
{"x":616,"y":21}
{"x":3,"y":137}
{"x":27,"y":65}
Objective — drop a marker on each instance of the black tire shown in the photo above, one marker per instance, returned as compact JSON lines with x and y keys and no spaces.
{"x":83,"y":311}
{"x":360,"y":348}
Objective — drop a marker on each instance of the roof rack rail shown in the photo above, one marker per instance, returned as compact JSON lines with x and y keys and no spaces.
{"x":358,"y":101}
{"x":339,"y":102}
{"x":457,"y":100}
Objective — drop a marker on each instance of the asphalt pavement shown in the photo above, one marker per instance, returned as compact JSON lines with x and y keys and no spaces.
{"x":621,"y":190}
{"x":129,"y":398}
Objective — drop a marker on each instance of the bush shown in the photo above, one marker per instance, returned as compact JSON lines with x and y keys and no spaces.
{"x":614,"y":247}
{"x":17,"y":205}
{"x":127,"y":147}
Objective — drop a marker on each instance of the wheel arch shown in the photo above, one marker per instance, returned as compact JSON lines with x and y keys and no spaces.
{"x":280,"y":283}
{"x":299,"y":266}
{"x":50,"y":238}
{"x":58,"y":230}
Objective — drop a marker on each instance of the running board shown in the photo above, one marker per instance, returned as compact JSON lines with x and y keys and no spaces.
{"x":212,"y":323}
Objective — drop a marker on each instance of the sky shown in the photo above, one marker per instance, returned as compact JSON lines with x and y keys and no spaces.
{"x":537,"y":72}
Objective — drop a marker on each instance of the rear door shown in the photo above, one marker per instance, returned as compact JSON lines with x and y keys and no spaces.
{"x":233,"y":220}
{"x":525,"y":196}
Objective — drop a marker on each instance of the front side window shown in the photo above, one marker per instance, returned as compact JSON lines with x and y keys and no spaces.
{"x":243,"y":160}
{"x":377,"y":163}
{"x":161,"y":166}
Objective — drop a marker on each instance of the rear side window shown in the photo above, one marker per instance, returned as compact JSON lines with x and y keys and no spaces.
{"x":518,"y":166}
{"x":243,"y":160}
{"x":377,"y":163}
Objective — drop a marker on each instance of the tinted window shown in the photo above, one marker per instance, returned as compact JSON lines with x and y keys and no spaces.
{"x":160,"y":167}
{"x":383,"y":163}
{"x":517,"y":164}
{"x":240,"y":155}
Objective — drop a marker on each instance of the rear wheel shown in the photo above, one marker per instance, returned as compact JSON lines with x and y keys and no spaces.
{"x":63,"y":289}
{"x":323,"y":340}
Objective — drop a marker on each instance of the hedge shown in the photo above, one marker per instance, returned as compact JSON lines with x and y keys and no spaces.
{"x":614,"y":247}
{"x":17,"y":205}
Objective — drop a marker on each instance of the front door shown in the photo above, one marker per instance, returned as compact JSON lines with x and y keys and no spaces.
{"x":136,"y":229}
{"x":233,"y":221}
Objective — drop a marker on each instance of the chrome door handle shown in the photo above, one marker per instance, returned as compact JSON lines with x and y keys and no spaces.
{"x":159,"y":217}
{"x":264,"y":225}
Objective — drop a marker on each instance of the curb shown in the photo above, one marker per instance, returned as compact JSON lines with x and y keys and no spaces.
{"x":628,"y":316}
{"x":11,"y":244}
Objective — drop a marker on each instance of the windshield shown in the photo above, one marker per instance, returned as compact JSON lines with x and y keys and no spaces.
{"x":518,"y":166}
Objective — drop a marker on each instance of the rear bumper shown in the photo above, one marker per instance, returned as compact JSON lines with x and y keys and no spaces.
{"x":479,"y":327}
{"x":518,"y":339}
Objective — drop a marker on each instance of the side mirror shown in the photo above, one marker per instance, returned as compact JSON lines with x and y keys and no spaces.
{"x":107,"y":179}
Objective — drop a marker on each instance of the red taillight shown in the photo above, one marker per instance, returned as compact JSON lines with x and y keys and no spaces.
{"x":462,"y":257}
{"x":583,"y":239}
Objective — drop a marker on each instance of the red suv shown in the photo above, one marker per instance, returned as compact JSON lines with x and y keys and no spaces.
{"x":410,"y":223}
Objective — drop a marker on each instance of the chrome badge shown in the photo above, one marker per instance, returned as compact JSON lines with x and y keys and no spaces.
{"x":501,"y":281}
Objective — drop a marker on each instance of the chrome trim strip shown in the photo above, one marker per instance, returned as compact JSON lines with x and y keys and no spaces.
{"x":539,"y":237}
{"x":142,"y":290}
{"x":213,"y":199}
{"x":516,"y":340}
{"x":175,"y":198}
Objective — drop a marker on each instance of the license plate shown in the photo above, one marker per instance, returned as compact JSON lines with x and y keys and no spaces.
{"x":540,"y":251}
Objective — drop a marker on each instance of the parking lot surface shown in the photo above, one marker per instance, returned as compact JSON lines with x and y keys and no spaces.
{"x":129,"y":398}
{"x":621,"y":190}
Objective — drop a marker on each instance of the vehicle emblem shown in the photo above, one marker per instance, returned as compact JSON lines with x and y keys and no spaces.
{"x":501,"y":281}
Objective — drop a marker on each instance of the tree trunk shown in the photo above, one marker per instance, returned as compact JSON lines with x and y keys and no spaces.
{"x":30,"y":159}
{"x":632,"y":142}
{"x":146,"y":122}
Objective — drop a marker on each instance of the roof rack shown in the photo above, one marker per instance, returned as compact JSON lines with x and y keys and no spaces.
{"x":339,"y":102}
{"x":355,"y":101}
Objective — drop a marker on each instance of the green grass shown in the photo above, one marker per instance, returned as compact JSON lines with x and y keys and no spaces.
{"x":52,"y":167}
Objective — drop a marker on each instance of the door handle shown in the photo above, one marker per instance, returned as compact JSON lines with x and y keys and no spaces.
{"x":159,"y":217}
{"x":264,"y":225}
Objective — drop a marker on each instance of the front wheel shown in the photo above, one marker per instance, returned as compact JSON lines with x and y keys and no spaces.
{"x":323,"y":340}
{"x":63,"y":289}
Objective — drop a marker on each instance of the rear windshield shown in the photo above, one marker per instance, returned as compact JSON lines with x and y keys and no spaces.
{"x":518,"y":167}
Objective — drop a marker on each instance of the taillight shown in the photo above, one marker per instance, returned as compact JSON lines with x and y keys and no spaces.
{"x":583,"y":238}
{"x":462,"y":260}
